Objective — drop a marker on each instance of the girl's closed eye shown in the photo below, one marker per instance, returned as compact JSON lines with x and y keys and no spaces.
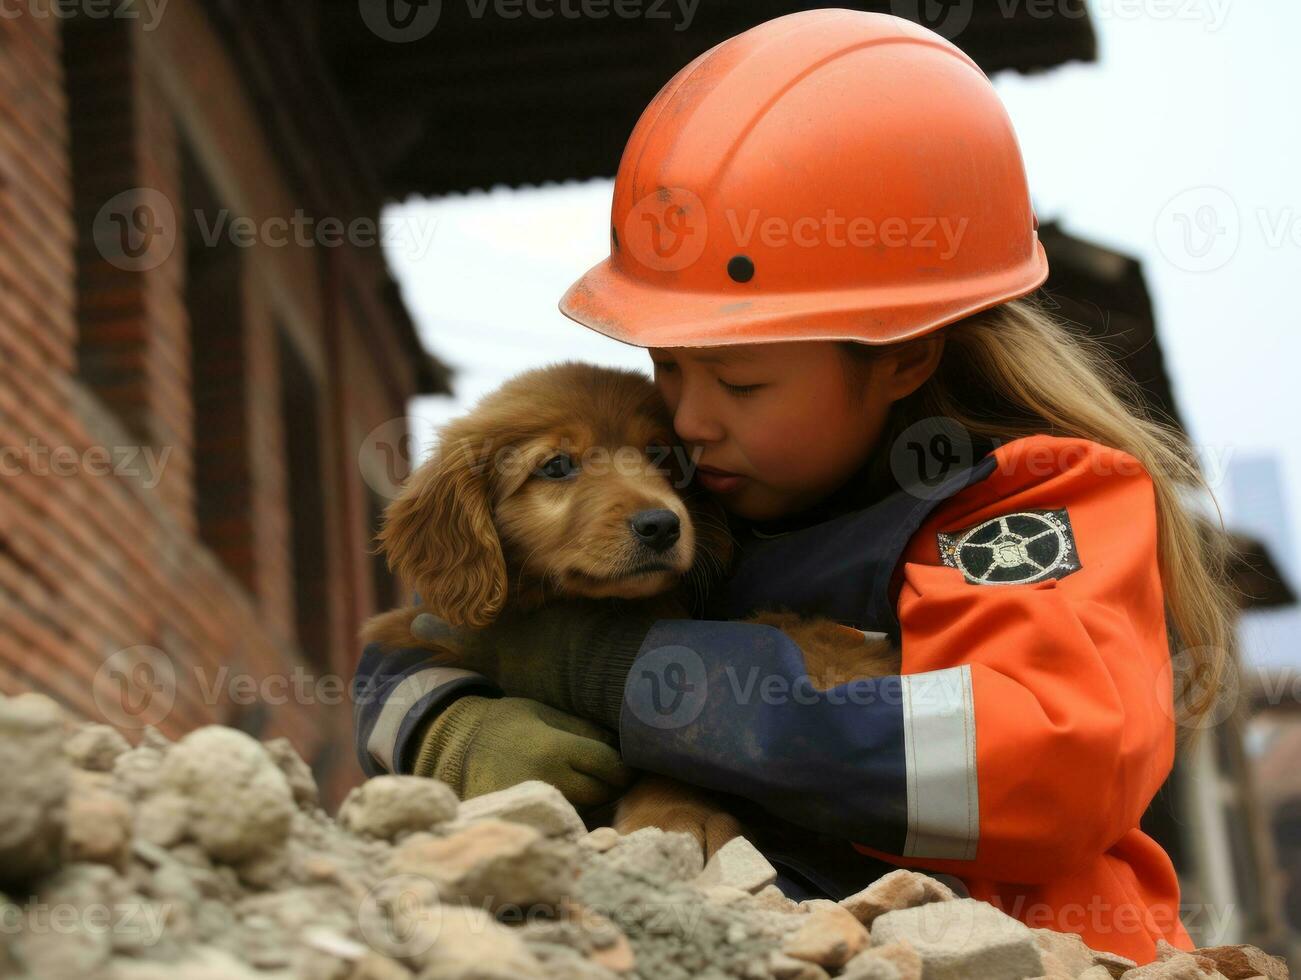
{"x":740,"y":391}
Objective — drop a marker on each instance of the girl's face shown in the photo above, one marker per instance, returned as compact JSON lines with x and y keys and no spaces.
{"x":781,"y":416}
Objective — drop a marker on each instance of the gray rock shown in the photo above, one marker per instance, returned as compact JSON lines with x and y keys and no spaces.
{"x":387,"y":806}
{"x":900,"y":889}
{"x":297,"y":772}
{"x":538,"y":804}
{"x":98,"y":826}
{"x":239,"y":801}
{"x":469,"y":944}
{"x":494,"y":864}
{"x":663,"y":855}
{"x":95,"y":747}
{"x":34,"y":787}
{"x":600,"y":840}
{"x":963,"y":938}
{"x":201,"y":963}
{"x":829,"y":937}
{"x":740,"y":864}
{"x":135,"y":773}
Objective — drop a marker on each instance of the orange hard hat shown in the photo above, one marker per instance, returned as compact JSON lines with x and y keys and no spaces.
{"x":827,"y":175}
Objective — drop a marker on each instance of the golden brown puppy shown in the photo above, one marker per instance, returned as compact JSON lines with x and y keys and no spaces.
{"x":551,"y":486}
{"x":569,"y":481}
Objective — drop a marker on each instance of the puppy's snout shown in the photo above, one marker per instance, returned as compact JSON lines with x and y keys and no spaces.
{"x":656,"y":529}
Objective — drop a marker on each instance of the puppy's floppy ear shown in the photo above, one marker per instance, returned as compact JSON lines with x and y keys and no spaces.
{"x":440,"y":536}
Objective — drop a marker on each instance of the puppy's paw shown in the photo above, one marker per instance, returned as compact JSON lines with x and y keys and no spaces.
{"x":677,"y":807}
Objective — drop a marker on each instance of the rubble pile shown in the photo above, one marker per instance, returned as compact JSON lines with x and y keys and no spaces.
{"x":211,"y":859}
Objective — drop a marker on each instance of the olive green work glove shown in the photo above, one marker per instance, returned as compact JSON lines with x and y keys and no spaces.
{"x":573,"y":654}
{"x":480,"y":744}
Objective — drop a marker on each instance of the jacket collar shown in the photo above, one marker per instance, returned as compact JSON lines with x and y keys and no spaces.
{"x":835,"y":559}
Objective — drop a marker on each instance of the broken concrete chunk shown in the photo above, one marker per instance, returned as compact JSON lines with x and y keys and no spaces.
{"x":723,"y":894}
{"x":212,"y":858}
{"x":600,"y":840}
{"x":901,"y":889}
{"x":829,"y":937}
{"x":785,"y":967}
{"x":1095,"y":973}
{"x":1182,"y":966}
{"x":667,"y":855}
{"x":1113,"y":963}
{"x":239,"y":801}
{"x":494,"y":864}
{"x":469,"y":943}
{"x":162,"y":819}
{"x":95,"y":747}
{"x":772,"y":897}
{"x":963,"y":938}
{"x":203,"y":963}
{"x":1245,"y":962}
{"x":533,"y":802}
{"x":136,"y":771}
{"x":34,"y":787}
{"x":297,"y":772}
{"x":738,"y":863}
{"x":889,"y":960}
{"x":1067,"y":949}
{"x":386,"y":806}
{"x":98,"y":825}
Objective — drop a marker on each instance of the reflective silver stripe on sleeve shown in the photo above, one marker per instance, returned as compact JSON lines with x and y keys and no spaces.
{"x":939,"y":730}
{"x":399,"y":702}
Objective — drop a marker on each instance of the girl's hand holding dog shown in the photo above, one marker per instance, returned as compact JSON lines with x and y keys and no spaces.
{"x":480,"y":745}
{"x":573,"y":654}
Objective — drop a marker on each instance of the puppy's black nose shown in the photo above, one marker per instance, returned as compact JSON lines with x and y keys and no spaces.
{"x":657,"y":529}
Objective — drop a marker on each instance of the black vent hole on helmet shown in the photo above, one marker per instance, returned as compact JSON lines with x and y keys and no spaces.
{"x":740,"y":268}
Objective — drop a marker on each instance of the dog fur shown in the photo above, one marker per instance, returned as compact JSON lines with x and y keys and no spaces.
{"x":476,"y":527}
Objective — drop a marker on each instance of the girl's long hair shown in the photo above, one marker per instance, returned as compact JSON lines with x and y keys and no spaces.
{"x":1015,"y":370}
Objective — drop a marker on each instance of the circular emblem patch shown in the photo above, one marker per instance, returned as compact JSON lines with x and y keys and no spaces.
{"x":1014,"y":549}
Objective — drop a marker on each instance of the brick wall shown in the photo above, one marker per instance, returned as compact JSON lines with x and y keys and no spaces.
{"x":107,"y":585}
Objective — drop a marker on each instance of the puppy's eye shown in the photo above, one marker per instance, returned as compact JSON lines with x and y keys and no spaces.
{"x":558,"y":467}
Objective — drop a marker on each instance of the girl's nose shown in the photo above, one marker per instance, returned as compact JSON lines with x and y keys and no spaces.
{"x":693,"y":425}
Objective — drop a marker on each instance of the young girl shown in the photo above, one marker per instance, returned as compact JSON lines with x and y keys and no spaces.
{"x":822,"y":234}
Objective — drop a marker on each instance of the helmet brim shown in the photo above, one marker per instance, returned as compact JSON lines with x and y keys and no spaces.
{"x":634,"y":312}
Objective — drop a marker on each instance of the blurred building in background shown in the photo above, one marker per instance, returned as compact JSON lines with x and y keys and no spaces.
{"x":182,"y":400}
{"x":265,"y":367}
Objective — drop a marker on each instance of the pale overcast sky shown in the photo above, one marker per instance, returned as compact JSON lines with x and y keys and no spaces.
{"x":1181,"y":146}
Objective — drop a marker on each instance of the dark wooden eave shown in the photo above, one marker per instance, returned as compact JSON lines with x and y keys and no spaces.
{"x":1103,"y":294}
{"x":1257,"y":577}
{"x":485,"y":100}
